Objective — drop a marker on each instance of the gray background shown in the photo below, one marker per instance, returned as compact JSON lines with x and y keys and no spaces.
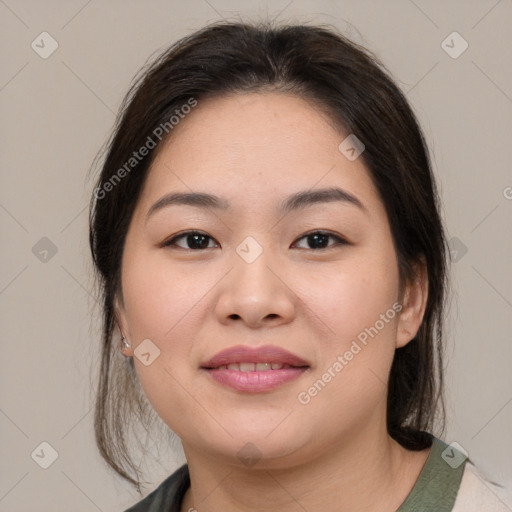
{"x":58,"y":111}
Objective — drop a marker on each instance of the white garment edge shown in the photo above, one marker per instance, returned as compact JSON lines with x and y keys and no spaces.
{"x":477,"y":494}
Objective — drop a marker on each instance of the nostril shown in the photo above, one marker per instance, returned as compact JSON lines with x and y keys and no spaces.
{"x":234,"y":316}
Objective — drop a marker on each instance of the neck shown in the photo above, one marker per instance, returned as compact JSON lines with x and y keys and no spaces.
{"x":365,"y":474}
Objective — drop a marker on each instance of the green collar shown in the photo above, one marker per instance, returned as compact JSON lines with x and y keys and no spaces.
{"x":439,"y":481}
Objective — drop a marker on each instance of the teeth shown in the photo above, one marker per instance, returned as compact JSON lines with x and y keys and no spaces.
{"x":250,"y":367}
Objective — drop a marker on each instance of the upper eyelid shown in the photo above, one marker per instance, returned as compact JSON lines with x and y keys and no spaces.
{"x":185,"y":233}
{"x":326,"y":233}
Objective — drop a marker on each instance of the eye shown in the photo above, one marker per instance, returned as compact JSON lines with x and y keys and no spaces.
{"x":319,"y":240}
{"x":196,"y":240}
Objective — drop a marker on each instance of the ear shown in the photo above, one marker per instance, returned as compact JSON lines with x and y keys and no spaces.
{"x":120,"y":318}
{"x":414,"y":304}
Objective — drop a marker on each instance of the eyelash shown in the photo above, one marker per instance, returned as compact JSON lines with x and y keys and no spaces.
{"x":172,"y":241}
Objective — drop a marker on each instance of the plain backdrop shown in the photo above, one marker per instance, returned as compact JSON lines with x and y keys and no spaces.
{"x":57,"y":111}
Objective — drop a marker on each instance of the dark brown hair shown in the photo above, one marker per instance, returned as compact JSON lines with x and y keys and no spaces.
{"x":349,"y":84}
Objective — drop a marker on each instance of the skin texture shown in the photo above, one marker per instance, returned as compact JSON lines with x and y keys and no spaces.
{"x":333,"y":453}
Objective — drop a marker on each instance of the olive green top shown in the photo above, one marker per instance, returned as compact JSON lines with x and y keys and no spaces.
{"x":439,"y":481}
{"x":434,"y":491}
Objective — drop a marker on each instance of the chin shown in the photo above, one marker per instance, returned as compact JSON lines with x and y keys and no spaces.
{"x":257,"y":448}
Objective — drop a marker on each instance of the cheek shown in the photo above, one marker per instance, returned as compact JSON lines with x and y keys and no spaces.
{"x":158,"y":297}
{"x":159,"y":305}
{"x":355,"y":359}
{"x":358,"y":304}
{"x":352,"y":296}
{"x":165,"y":303}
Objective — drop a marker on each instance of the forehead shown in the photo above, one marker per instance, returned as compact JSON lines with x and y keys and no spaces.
{"x":265,"y":122}
{"x":266,"y":145}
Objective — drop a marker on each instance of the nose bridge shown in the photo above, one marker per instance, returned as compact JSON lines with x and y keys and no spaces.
{"x":253,"y":292}
{"x":252,"y":277}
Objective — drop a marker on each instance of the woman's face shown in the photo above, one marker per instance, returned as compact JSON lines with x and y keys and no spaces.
{"x":260,"y":274}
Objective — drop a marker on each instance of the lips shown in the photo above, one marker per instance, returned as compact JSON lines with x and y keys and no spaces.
{"x":241,"y":354}
{"x":254,"y":370}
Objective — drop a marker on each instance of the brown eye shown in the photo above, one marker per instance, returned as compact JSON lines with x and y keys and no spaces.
{"x":194,"y":240}
{"x":320,"y":240}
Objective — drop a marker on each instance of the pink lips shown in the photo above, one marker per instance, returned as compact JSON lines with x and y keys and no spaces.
{"x":257,"y":380}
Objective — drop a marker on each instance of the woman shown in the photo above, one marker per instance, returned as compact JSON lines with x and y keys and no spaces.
{"x":267,"y":236}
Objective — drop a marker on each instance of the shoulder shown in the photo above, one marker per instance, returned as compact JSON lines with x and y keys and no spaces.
{"x":167,"y":496}
{"x":477,"y":493}
{"x":450,"y":482}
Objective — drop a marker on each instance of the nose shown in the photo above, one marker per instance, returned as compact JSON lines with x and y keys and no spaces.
{"x":255,"y":294}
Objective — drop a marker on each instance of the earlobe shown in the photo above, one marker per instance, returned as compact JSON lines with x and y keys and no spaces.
{"x":126,"y":347}
{"x":119,"y":317}
{"x":413,"y":305}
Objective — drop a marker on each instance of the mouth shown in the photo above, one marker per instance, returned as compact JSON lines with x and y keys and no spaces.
{"x":267,"y":357}
{"x":251,"y":367}
{"x":254,"y":370}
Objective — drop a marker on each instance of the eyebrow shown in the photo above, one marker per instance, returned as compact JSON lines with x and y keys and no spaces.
{"x":294,"y":202}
